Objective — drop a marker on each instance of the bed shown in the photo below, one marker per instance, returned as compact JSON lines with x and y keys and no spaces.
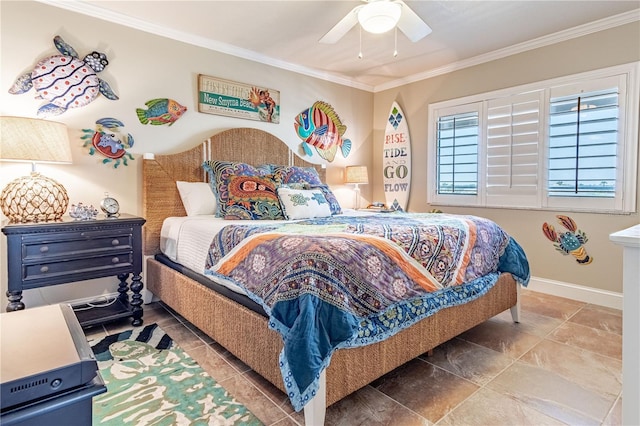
{"x":246,"y":331}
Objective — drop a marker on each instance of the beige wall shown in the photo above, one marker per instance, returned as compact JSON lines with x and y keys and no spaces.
{"x":611,"y":47}
{"x":143,"y":67}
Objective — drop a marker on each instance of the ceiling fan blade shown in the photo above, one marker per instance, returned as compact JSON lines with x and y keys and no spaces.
{"x":411,"y":24}
{"x":342,"y":27}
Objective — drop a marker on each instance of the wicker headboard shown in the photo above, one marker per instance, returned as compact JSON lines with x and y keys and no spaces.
{"x":160,"y":197}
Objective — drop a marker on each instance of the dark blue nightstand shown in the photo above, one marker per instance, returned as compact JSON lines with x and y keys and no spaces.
{"x":51,"y":253}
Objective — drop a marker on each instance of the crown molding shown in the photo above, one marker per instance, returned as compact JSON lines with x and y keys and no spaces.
{"x":571,"y":33}
{"x":117,"y":18}
{"x":139,"y":24}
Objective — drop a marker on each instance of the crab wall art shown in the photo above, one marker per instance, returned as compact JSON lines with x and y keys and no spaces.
{"x":570,"y":242}
{"x":106,"y":140}
{"x":65,"y":80}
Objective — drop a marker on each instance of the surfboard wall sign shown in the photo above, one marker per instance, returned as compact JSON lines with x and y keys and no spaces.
{"x":396,"y":160}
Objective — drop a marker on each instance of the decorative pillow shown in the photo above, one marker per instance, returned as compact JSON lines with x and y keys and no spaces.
{"x":334,"y":205}
{"x":219,"y":172}
{"x":197,"y":198}
{"x":265,"y":169}
{"x":303,"y":203}
{"x":252,"y":198}
{"x":295,"y":185}
{"x":295,"y":174}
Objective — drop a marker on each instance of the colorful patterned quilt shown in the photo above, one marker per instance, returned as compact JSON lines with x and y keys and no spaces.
{"x":349,"y":281}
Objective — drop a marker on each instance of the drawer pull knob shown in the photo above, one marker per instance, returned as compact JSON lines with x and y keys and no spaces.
{"x":44,"y":269}
{"x":44,"y":249}
{"x":115,"y":242}
{"x":115,"y":260}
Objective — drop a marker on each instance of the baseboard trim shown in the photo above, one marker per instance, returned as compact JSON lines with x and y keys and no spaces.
{"x":595,"y":296}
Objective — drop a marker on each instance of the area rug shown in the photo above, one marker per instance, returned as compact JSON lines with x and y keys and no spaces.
{"x":152,"y":381}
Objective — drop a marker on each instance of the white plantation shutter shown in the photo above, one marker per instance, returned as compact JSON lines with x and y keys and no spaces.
{"x":568,"y":144}
{"x":513,"y":150}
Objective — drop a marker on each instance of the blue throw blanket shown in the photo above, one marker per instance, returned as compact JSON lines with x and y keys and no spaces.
{"x":350,"y":281}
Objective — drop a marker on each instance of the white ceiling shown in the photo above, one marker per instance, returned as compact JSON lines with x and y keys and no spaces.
{"x":286,"y":33}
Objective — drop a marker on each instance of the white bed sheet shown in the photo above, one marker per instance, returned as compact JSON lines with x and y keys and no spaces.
{"x":186,"y":240}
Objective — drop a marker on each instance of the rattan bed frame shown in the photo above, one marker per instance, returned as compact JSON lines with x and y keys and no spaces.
{"x":245,"y":333}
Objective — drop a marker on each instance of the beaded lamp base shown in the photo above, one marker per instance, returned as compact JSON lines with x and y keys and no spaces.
{"x":34,"y":198}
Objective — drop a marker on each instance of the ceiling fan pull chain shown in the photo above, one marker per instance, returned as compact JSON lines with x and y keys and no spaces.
{"x":395,"y":46}
{"x":360,"y":52}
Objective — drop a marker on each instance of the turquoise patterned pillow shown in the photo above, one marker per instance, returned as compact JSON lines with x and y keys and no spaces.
{"x":303,"y":203}
{"x":252,"y":198}
{"x":219,"y":172}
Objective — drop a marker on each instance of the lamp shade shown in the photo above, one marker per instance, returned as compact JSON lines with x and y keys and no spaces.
{"x":378,"y":17}
{"x":33,"y":198}
{"x":356,"y":174}
{"x":34,"y":140}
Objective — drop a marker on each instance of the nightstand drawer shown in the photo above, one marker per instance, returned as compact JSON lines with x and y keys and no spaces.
{"x":103,"y":265}
{"x":66,"y":251}
{"x":90,"y":243}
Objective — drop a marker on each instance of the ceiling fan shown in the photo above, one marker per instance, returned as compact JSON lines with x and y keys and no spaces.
{"x":379,"y":16}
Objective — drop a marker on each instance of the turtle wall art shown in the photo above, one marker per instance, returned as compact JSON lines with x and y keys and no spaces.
{"x":107,"y":141}
{"x":65,"y":81}
{"x":570,"y":242}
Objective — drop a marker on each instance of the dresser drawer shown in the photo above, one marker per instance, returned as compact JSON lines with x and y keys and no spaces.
{"x":39,"y":248}
{"x":96,"y":266}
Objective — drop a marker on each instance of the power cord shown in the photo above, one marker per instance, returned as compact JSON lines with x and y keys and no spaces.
{"x":102,"y":302}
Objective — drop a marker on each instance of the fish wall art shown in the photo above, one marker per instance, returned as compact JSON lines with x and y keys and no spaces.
{"x":65,"y":80}
{"x":320,"y":127}
{"x":160,"y":111}
{"x":570,"y":242}
{"x":107,"y":141}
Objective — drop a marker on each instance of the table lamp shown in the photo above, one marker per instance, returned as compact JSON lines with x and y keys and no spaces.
{"x":34,"y":198}
{"x":357,"y":175}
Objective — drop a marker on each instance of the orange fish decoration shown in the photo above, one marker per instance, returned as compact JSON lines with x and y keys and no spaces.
{"x":319,"y":126}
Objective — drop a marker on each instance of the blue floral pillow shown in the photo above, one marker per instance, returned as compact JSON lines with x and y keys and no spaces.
{"x":252,"y":198}
{"x":295,"y":174}
{"x":219,"y":172}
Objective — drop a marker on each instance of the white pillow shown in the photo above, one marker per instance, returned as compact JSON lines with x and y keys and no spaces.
{"x":197,"y":198}
{"x":303,"y":203}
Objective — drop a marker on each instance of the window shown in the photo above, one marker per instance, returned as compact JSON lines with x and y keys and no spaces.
{"x":583,"y":141}
{"x":564,"y":144}
{"x":588,"y":145}
{"x":458,"y":154}
{"x":458,"y":135}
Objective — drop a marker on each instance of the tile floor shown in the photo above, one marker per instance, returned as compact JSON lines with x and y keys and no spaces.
{"x":561,"y":365}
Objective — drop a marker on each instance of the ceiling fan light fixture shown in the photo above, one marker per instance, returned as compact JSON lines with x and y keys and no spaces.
{"x":378,"y":17}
